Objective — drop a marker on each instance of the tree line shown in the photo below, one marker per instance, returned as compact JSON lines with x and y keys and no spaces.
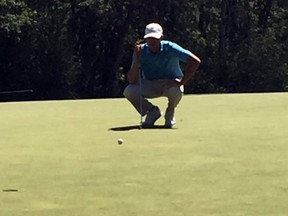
{"x":63,"y":49}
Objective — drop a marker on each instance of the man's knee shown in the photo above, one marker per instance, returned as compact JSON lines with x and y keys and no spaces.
{"x":127,"y":91}
{"x":174,"y":95}
{"x":174,"y":92}
{"x":130,"y":91}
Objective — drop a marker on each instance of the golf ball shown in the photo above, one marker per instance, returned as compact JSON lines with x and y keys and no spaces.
{"x":120,"y":141}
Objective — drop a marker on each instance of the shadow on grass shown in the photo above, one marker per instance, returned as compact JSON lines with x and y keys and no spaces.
{"x":137,"y":127}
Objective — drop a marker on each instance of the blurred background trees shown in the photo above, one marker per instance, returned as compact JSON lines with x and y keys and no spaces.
{"x":82,"y":48}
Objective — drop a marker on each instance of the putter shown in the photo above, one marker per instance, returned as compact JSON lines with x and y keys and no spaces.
{"x":140,"y":99}
{"x":139,"y":42}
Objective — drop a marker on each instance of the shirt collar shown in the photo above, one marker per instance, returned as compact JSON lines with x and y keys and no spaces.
{"x":161,"y":47}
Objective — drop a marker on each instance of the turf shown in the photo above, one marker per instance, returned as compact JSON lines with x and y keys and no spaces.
{"x":227,"y":157}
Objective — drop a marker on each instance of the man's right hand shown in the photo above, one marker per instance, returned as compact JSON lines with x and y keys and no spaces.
{"x":136,"y":54}
{"x":133,"y":73}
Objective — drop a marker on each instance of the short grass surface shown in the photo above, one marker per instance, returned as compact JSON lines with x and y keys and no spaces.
{"x":228,"y":156}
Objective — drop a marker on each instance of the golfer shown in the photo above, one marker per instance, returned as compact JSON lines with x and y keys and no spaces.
{"x":161,"y":75}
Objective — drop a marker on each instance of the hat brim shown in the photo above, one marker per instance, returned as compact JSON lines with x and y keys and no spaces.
{"x":153,"y":35}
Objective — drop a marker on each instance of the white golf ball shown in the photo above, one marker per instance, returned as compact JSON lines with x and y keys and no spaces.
{"x":120,"y":141}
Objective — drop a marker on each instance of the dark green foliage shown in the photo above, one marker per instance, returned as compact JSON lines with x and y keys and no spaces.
{"x":16,"y":20}
{"x":82,"y":49}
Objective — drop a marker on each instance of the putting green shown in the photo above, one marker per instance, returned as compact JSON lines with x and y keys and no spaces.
{"x":227,"y":156}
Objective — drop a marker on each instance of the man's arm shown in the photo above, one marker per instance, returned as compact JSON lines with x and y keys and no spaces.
{"x":133,"y":73}
{"x":192,"y":65}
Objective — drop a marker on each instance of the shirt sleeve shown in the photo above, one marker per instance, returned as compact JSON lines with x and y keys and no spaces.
{"x":180,"y":52}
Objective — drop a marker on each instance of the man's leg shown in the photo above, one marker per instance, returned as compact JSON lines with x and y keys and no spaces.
{"x":134,"y":94}
{"x":174,"y":95}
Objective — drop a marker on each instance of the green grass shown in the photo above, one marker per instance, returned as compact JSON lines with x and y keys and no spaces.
{"x":228,"y":156}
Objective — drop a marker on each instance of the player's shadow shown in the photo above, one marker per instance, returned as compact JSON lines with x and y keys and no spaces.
{"x":137,"y":127}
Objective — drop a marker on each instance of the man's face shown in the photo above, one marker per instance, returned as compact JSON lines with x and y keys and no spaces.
{"x":153,"y":44}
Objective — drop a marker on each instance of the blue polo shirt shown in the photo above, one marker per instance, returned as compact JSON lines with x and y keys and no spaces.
{"x":165,"y":63}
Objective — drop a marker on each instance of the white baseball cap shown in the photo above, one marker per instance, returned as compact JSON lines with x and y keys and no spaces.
{"x":153,"y":30}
